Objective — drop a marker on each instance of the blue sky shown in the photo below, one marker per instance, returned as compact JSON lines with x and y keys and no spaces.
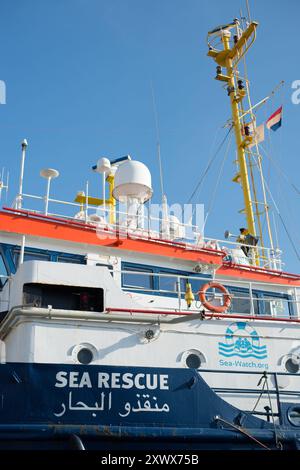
{"x":78,"y":75}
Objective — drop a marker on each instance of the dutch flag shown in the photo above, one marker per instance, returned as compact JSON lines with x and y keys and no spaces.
{"x":274,"y":121}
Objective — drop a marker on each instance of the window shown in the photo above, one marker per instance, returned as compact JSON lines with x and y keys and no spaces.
{"x":70,"y":259}
{"x":3,"y":272}
{"x":264,"y":303}
{"x":170,"y":284}
{"x":294,"y":415}
{"x":275,"y":305}
{"x":240,"y":302}
{"x":136,"y":280}
{"x":30,"y":256}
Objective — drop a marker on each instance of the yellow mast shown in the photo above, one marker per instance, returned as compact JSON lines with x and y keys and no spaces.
{"x":227,"y":58}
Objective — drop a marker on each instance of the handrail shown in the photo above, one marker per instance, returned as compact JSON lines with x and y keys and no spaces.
{"x":271,"y":260}
{"x":270,"y":391}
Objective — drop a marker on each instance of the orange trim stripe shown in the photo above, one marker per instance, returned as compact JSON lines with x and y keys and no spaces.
{"x":22,"y":222}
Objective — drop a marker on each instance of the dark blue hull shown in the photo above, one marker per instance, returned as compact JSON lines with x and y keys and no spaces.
{"x":56,"y":406}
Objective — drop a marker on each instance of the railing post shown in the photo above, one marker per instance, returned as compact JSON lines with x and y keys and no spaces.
{"x":278,"y":398}
{"x":251,"y":299}
{"x":178,"y":292}
{"x":296,"y":301}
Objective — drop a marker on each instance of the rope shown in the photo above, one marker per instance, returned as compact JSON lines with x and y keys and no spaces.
{"x":243,"y":431}
{"x":261,"y":394}
{"x":278,"y":443}
{"x":208,"y":166}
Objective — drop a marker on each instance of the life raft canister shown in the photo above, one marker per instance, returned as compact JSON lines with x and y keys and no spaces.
{"x":208,"y":305}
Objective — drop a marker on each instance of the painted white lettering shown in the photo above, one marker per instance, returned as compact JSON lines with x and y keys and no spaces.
{"x":137,"y":381}
{"x":115,"y":380}
{"x":164,"y":382}
{"x":85,"y":381}
{"x":151,"y":384}
{"x":61,"y":380}
{"x":103,"y":379}
{"x":127,"y":380}
{"x":73,"y":379}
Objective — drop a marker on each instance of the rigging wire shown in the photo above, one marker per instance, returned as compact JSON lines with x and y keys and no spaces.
{"x":213,"y":197}
{"x":208,"y":166}
{"x":157,"y":142}
{"x":282,"y":220}
{"x":280,"y":170}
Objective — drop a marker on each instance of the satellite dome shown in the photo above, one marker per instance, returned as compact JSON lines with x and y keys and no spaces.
{"x":132,"y":180}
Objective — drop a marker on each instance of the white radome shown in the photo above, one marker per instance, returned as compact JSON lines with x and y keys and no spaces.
{"x":133,"y":180}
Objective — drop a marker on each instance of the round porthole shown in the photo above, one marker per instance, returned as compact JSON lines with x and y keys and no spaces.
{"x":84,"y":353}
{"x":292,"y":365}
{"x":294,"y":415}
{"x":85,"y":356}
{"x":193,"y":359}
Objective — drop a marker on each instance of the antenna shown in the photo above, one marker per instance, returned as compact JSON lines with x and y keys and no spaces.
{"x":158,"y":143}
{"x":48,"y":174}
{"x":3,"y":185}
{"x":165,"y":222}
{"x":248,"y":11}
{"x":19,"y":199}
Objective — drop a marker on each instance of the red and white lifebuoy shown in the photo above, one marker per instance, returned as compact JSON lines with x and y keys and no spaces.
{"x":212,"y":307}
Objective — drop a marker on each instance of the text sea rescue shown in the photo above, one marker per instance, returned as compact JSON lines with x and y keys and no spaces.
{"x":107,"y":380}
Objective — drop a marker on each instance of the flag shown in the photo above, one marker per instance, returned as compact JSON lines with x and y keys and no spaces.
{"x":258,"y":134}
{"x":274,"y":121}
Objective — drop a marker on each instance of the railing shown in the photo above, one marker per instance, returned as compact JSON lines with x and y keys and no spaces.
{"x":143,"y":226}
{"x":278,"y":306}
{"x":268,"y":388}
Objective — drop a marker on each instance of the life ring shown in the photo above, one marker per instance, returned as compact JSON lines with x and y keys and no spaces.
{"x":208,"y":305}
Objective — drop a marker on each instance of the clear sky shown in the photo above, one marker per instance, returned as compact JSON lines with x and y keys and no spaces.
{"x":78,"y":75}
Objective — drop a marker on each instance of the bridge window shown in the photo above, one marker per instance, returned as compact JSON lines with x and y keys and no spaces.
{"x":3,"y":272}
{"x":30,"y":256}
{"x":139,"y":278}
{"x":70,"y":259}
{"x":275,"y":305}
{"x":241,"y":303}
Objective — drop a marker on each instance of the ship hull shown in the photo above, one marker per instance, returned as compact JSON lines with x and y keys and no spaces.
{"x":63,"y":406}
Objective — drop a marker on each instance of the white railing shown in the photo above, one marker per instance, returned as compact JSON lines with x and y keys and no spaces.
{"x":150,"y":227}
{"x":257,"y":296}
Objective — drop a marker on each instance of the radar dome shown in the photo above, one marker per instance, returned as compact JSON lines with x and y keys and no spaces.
{"x":132,"y":179}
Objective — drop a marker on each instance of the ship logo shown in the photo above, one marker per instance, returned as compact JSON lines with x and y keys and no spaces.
{"x":243,"y":341}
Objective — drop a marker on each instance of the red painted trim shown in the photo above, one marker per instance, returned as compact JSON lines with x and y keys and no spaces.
{"x":250,"y":317}
{"x":205,"y":315}
{"x":151,"y":312}
{"x":30,"y":223}
{"x":73,"y":231}
{"x":246,"y":267}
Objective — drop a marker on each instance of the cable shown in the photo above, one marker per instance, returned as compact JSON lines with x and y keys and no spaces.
{"x":157,"y":142}
{"x":281,"y":219}
{"x":209,"y":165}
{"x":243,"y":431}
{"x":212,"y":201}
{"x":280,"y":170}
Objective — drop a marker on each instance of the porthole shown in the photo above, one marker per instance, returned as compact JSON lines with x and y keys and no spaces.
{"x":294,"y":415}
{"x":292,"y":366}
{"x":193,"y":359}
{"x":84,"y":353}
{"x":85,"y":356}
